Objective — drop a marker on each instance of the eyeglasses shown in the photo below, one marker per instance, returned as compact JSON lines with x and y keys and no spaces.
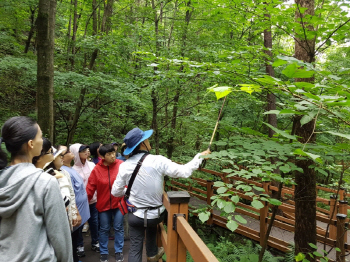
{"x":67,"y":152}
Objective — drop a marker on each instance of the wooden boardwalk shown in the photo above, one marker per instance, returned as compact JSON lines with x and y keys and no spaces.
{"x":282,"y":234}
{"x":276,"y":232}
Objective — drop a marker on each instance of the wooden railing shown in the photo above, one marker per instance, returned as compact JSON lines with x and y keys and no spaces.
{"x":178,"y":236}
{"x":336,"y":237}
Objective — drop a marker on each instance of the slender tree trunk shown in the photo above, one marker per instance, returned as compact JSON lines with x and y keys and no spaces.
{"x":32,"y":29}
{"x":155,"y":120}
{"x":305,"y":190}
{"x":45,"y":66}
{"x":94,"y":18}
{"x":172,"y":24}
{"x":74,"y":36}
{"x":271,"y":99}
{"x":170,"y":142}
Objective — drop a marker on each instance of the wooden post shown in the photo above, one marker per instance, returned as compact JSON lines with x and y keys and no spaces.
{"x":333,"y":210}
{"x":341,"y":232}
{"x":343,"y":209}
{"x":176,"y":250}
{"x":266,"y":186}
{"x":210,"y":193}
{"x":341,"y":193}
{"x":263,"y":222}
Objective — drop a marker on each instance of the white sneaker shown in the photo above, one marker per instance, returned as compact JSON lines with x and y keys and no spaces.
{"x":80,"y":252}
{"x":85,"y":228}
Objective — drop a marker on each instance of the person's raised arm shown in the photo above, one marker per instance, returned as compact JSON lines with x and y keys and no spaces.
{"x":172,"y":169}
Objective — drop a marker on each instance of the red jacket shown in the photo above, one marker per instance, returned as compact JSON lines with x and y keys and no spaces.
{"x":101,"y":180}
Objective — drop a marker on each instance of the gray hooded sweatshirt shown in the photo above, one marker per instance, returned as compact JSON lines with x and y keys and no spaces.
{"x":33,"y":220}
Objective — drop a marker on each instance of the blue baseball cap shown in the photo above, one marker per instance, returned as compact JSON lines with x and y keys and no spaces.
{"x":134,"y":137}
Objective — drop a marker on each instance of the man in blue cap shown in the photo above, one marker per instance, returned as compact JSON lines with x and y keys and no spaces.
{"x":147,"y":191}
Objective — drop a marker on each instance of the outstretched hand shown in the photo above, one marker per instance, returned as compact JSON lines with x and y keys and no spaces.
{"x":206,"y":152}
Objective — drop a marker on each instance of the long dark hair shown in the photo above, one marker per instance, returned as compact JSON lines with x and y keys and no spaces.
{"x":93,"y":149}
{"x":46,"y":147}
{"x":15,"y":132}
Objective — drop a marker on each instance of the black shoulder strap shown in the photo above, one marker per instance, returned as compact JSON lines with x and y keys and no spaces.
{"x":136,"y":170}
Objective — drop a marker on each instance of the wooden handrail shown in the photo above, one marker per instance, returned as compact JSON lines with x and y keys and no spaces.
{"x":179,"y":235}
{"x":194,"y":244}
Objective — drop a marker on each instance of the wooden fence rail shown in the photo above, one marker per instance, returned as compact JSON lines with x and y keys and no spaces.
{"x":336,"y":236}
{"x":179,"y":235}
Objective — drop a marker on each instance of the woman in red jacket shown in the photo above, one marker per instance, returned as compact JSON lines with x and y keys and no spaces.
{"x":101,"y":180}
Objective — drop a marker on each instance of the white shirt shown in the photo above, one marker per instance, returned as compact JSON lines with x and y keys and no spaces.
{"x":147,"y":190}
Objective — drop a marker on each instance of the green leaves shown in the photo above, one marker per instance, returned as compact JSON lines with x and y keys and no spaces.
{"x":338,"y":134}
{"x":229,"y":207}
{"x":312,"y":156}
{"x":240,"y":219}
{"x":220,"y":91}
{"x":232,"y":225}
{"x":282,"y":133}
{"x":257,"y":204}
{"x":307,"y":118}
{"x":204,"y":216}
{"x":250,"y":88}
{"x":293,"y":71}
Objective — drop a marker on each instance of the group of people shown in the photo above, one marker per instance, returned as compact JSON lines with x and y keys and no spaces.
{"x":48,"y":193}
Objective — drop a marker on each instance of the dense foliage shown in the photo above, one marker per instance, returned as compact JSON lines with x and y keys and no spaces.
{"x":150,"y":63}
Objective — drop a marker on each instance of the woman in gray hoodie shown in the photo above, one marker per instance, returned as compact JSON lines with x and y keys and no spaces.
{"x":33,"y":219}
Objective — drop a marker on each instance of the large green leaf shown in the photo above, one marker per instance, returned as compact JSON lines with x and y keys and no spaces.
{"x":240,"y":219}
{"x":250,"y":88}
{"x":282,"y":133}
{"x":232,"y":225}
{"x":299,"y":151}
{"x":220,"y":91}
{"x":221,"y":190}
{"x":279,"y":62}
{"x":257,"y":204}
{"x":235,"y":199}
{"x":338,"y":134}
{"x":293,"y":71}
{"x":275,"y":202}
{"x":229,"y":207}
{"x":312,"y":96}
{"x":204,"y":216}
{"x":221,"y":203}
{"x":307,"y":118}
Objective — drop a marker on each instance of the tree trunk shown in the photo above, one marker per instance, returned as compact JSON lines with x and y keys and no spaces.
{"x":32,"y":29}
{"x":170,"y":142}
{"x":155,"y":120}
{"x":271,"y":99}
{"x":94,"y":18}
{"x":45,"y":66}
{"x":74,"y":36}
{"x":305,"y":191}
